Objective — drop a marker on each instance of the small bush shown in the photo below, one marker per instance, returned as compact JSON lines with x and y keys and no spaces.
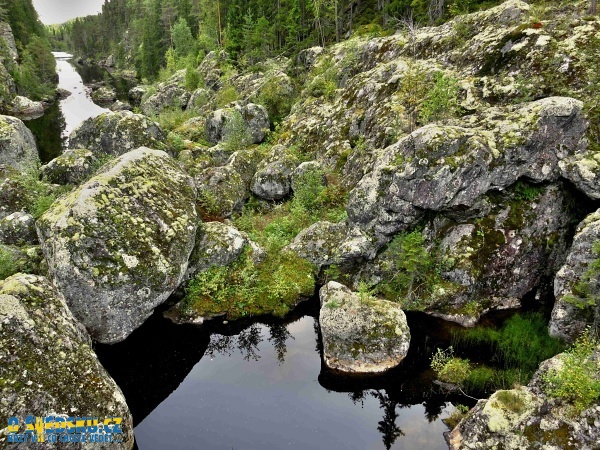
{"x":578,"y":380}
{"x":225,"y":96}
{"x":511,"y":401}
{"x":450,"y":369}
{"x":441,"y":101}
{"x":236,"y":134}
{"x":8,"y":264}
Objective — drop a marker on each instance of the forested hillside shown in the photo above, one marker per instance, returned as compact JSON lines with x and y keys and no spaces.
{"x":149,"y":33}
{"x":30,"y":63}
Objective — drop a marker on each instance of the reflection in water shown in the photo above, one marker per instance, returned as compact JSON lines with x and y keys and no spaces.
{"x":47,"y":130}
{"x":263,"y":385}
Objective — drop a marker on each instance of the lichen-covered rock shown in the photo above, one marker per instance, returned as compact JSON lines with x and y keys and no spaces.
{"x":136,"y":94}
{"x":48,"y":365}
{"x":439,"y":168}
{"x":568,"y":320}
{"x":306,"y":58}
{"x":361,"y":335}
{"x":255,"y":119}
{"x":18,"y":229}
{"x":116,"y":133}
{"x":528,"y":418}
{"x":121,"y":106}
{"x":199,"y":101}
{"x":170,"y":95}
{"x":210,"y":68}
{"x":273,"y":178}
{"x":217,"y":244}
{"x":13,"y":194}
{"x":320,"y":243}
{"x":24,"y":107}
{"x":104,"y":95}
{"x":118,"y":245}
{"x":307,"y":169}
{"x":72,"y":167}
{"x":6,"y":33}
{"x":17,"y":144}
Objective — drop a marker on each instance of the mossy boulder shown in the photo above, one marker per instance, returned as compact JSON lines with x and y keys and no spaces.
{"x":17,"y":144}
{"x":13,"y":195}
{"x":71,"y":167}
{"x":221,"y":191}
{"x":48,"y":365}
{"x":361,"y":334}
{"x":273,"y":177}
{"x":116,"y":133}
{"x":570,"y":316}
{"x":118,"y":245}
{"x":104,"y":95}
{"x":136,"y":94}
{"x":18,"y":228}
{"x":320,"y":243}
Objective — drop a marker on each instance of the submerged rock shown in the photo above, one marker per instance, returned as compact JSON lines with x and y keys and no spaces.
{"x":118,"y":245}
{"x":568,"y":319}
{"x":116,"y":133}
{"x":361,"y":335}
{"x":48,"y":365}
{"x":72,"y":167}
{"x":17,"y":144}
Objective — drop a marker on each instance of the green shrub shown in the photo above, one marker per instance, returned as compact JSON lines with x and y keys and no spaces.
{"x":9,"y":265}
{"x":236,"y":133}
{"x":441,"y":101}
{"x":450,"y":369}
{"x":578,"y":380}
{"x":226,"y":95}
{"x":243,"y":288}
{"x":276,"y":99}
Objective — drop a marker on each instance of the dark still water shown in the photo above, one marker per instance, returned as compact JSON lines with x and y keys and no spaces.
{"x":263,"y":386}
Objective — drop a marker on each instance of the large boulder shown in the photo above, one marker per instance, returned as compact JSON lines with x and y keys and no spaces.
{"x":569,"y":315}
{"x":217,"y":244}
{"x":361,"y":334}
{"x":136,"y":94}
{"x":529,"y":418}
{"x":116,"y":133}
{"x":320,"y":243}
{"x":170,"y":95}
{"x":17,"y":144}
{"x":71,"y":167}
{"x":13,"y":193}
{"x":118,"y":245}
{"x":273,"y":177}
{"x":221,"y":124}
{"x":104,"y":95}
{"x":48,"y":365}
{"x":438,"y":168}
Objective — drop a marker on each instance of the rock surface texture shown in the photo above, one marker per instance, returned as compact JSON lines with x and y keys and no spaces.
{"x":361,"y":335}
{"x":568,"y":320}
{"x":48,"y":365}
{"x":115,"y":133}
{"x":118,"y":245}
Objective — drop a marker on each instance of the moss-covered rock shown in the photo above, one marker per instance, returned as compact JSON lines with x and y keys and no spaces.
{"x":104,"y":95}
{"x":116,"y":133}
{"x":320,"y":243}
{"x":361,"y":334}
{"x":71,"y":167}
{"x":25,"y":108}
{"x":170,"y":95}
{"x":17,"y":144}
{"x":118,"y":245}
{"x":48,"y":366}
{"x":220,"y":125}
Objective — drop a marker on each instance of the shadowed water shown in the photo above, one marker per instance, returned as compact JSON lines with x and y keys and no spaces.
{"x":263,"y":386}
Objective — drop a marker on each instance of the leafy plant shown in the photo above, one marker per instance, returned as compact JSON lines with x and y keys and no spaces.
{"x":9,"y":265}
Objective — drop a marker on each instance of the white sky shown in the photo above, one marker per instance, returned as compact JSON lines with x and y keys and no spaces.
{"x":59,"y":11}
